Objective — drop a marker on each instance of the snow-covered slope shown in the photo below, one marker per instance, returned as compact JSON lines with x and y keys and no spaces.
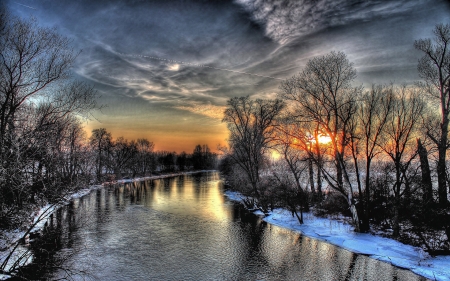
{"x":341,"y":234}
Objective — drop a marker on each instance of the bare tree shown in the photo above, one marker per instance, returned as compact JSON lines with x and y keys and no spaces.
{"x":122,"y":155}
{"x":323,"y":94}
{"x":143,"y":162}
{"x":31,"y":60}
{"x":368,"y":128}
{"x":203,"y":158}
{"x":251,"y":124}
{"x":101,"y":142}
{"x":166,"y":160}
{"x":434,"y":68}
{"x":38,"y":105}
{"x":294,"y":151}
{"x":286,"y":187}
{"x":398,"y":142}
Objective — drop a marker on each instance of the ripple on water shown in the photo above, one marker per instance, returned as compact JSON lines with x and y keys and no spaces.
{"x":183,"y":228}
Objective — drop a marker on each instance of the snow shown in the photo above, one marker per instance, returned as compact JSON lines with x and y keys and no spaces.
{"x":162,"y":176}
{"x":342,"y":234}
{"x":82,"y":192}
{"x":9,"y":238}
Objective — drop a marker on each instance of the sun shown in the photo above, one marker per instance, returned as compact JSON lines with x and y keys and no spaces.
{"x":275,"y":155}
{"x":324,"y":139}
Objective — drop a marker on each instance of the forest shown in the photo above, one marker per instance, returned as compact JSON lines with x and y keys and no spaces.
{"x":377,"y":155}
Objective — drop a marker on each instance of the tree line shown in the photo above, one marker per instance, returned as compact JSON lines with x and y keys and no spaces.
{"x":377,"y":155}
{"x":117,"y":158}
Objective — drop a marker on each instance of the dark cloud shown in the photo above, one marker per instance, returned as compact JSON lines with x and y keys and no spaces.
{"x":284,"y":20}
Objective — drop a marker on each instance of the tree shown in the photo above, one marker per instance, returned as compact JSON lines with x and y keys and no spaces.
{"x":182,"y":161}
{"x":198,"y":157}
{"x":305,"y":138}
{"x":251,"y":124}
{"x":203,"y":158}
{"x":323,"y":93}
{"x":143,"y":162}
{"x":368,"y":128}
{"x":31,"y":60}
{"x":123,"y":153}
{"x":295,"y":152}
{"x":434,"y":68}
{"x":101,"y":142}
{"x":166,"y":160}
{"x":286,"y":187}
{"x":398,"y":142}
{"x":427,"y":183}
{"x":39,"y":106}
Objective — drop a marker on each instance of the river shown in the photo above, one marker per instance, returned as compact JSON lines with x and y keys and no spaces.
{"x":184,"y":228}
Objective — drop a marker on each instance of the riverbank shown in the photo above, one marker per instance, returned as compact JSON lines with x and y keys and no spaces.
{"x":8,"y":239}
{"x":342,"y":234}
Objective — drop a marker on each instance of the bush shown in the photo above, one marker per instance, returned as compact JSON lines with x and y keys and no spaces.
{"x":333,"y":204}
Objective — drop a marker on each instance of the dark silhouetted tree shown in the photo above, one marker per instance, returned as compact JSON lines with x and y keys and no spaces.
{"x":434,"y":68}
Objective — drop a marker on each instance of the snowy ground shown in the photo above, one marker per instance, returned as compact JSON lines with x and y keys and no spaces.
{"x":341,"y":234}
{"x":162,"y":176}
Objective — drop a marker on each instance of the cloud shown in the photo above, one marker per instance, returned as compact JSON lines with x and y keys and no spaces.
{"x":205,"y":109}
{"x":174,"y":67}
{"x":284,"y":20}
{"x":166,"y":61}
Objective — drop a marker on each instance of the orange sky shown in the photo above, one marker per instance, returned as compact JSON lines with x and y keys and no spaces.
{"x":178,"y":136}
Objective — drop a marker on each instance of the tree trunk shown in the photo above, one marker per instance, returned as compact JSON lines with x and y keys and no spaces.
{"x":299,"y":218}
{"x":339,"y":172}
{"x":355,"y":216}
{"x":396,"y":219}
{"x":311,"y":176}
{"x":441,"y":166}
{"x":427,"y":185}
{"x":365,"y":227}
{"x":99,"y":168}
{"x":118,"y":172}
{"x":319,"y":169}
{"x":319,"y":179}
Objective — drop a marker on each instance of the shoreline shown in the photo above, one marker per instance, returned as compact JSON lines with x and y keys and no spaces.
{"x":341,"y":234}
{"x":11,"y":238}
{"x":329,"y":230}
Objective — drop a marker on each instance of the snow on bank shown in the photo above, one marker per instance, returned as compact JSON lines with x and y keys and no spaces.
{"x":162,"y":176}
{"x":341,"y":234}
{"x":9,"y":238}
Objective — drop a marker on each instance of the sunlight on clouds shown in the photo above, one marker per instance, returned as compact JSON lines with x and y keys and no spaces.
{"x":174,"y":67}
{"x":209,"y":110}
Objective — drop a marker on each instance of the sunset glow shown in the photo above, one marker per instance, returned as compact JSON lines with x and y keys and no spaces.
{"x":165,"y":69}
{"x":324,"y":139}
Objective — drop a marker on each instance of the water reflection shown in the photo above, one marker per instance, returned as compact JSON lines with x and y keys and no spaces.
{"x":183,"y":228}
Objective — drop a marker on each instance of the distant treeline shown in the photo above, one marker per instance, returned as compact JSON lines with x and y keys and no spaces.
{"x":115,"y":159}
{"x":377,"y":155}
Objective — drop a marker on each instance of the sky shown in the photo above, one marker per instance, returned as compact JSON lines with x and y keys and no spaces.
{"x":164,"y":70}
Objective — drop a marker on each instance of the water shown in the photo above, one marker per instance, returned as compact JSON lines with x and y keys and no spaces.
{"x":184,"y":228}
